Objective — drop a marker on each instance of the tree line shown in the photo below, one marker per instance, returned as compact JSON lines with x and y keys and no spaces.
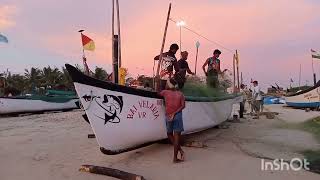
{"x":38,"y":80}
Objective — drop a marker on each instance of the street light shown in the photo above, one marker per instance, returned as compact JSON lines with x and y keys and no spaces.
{"x":181,"y":24}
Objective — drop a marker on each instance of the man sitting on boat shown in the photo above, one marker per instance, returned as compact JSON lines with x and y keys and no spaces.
{"x":169,"y":62}
{"x":213,"y":70}
{"x":174,"y":103}
{"x":183,"y":65}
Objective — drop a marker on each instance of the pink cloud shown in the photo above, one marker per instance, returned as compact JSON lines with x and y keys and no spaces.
{"x":7,"y":13}
{"x":234,"y":25}
{"x":68,"y":45}
{"x":259,"y":29}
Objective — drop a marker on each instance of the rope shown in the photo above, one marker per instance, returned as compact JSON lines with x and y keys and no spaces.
{"x":90,"y":102}
{"x":198,"y":34}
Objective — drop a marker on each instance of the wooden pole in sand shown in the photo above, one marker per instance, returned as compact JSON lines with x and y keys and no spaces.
{"x":157,"y":84}
{"x":110,"y":172}
{"x":313,"y":74}
{"x":234,"y":73}
{"x":300,"y":76}
{"x":238,"y":78}
{"x":119,"y":37}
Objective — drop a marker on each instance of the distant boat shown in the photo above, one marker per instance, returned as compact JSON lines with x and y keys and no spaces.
{"x":309,"y":98}
{"x":125,"y":118}
{"x":52,"y":101}
{"x":273,"y":100}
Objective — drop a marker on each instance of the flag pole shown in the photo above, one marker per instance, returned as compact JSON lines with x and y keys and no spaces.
{"x":84,"y":59}
{"x":313,"y":74}
{"x":83,"y":54}
{"x":119,"y":37}
{"x":157,"y":84}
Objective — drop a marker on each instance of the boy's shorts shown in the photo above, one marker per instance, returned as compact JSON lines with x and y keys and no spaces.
{"x":176,"y":125}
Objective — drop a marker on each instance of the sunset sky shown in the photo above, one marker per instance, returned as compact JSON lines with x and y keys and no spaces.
{"x":273,"y":37}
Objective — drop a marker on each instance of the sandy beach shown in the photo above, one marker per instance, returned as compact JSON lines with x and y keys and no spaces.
{"x":54,"y":146}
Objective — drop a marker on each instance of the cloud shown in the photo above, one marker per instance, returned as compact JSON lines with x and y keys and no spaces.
{"x":68,"y":45}
{"x":269,"y":35}
{"x":7,"y":13}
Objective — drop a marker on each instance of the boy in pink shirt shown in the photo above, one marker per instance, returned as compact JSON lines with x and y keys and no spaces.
{"x":174,"y":103}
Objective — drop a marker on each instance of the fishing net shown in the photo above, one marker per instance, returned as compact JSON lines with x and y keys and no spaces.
{"x":197,"y":87}
{"x":225,"y":81}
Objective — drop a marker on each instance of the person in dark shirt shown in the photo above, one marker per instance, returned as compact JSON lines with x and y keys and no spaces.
{"x":168,"y":64}
{"x":183,"y":69}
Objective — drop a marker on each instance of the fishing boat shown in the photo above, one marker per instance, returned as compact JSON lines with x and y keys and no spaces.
{"x":309,"y":98}
{"x":52,"y":101}
{"x":125,"y":118}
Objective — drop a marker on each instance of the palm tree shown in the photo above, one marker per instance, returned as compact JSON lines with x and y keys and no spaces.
{"x":15,"y":84}
{"x":32,"y":78}
{"x":66,"y":80}
{"x":100,"y":73}
{"x":145,"y":79}
{"x":50,"y":77}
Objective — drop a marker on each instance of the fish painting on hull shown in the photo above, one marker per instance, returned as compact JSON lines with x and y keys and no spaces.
{"x":110,"y":105}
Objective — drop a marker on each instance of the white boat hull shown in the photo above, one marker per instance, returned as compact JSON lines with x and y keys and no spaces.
{"x":305,"y":99}
{"x":19,"y":105}
{"x":124,"y":118}
{"x":142,"y":119}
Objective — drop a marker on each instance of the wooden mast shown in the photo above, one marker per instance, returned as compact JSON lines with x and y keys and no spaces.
{"x":115,"y":44}
{"x":157,"y":84}
{"x":119,"y":37}
{"x":112,"y":36}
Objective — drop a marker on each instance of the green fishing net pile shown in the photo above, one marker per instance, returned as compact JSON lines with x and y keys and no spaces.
{"x":196,"y":88}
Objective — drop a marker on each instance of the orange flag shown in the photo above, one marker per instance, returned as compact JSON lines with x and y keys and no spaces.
{"x":88,"y":44}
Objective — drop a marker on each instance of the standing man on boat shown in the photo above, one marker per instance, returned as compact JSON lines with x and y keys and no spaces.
{"x":183,"y":69}
{"x":174,"y":103}
{"x":169,"y":62}
{"x":213,"y":70}
{"x":257,"y":98}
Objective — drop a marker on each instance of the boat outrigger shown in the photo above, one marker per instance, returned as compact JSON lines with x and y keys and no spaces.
{"x":124,"y":118}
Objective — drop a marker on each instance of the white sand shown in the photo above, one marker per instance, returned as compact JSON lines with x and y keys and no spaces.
{"x":292,"y":115}
{"x":53,"y":146}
